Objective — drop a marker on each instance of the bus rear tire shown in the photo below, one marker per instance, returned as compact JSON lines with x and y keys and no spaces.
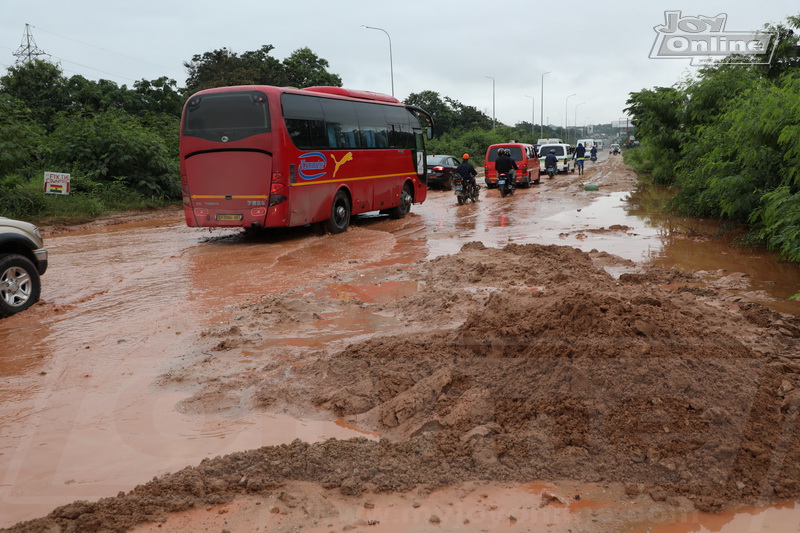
{"x":406,"y":199}
{"x":340,"y":213}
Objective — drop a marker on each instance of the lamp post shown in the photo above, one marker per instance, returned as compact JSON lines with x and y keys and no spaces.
{"x":391,"y":66}
{"x":620,"y":127}
{"x":566,"y":118}
{"x":533,"y":110}
{"x":493,"y":119}
{"x":576,"y":119}
{"x":541,"y":103}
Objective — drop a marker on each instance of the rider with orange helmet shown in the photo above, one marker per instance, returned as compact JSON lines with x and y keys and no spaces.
{"x":465,"y":169}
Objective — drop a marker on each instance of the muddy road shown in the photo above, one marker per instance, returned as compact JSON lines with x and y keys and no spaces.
{"x":159,"y":348}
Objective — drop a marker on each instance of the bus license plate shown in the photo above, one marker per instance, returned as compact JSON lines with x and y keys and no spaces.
{"x":229,"y":217}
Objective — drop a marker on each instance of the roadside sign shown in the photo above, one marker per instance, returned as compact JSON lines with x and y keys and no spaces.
{"x":56,"y":183}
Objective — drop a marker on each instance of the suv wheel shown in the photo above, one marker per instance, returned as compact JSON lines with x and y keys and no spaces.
{"x":20,"y":285}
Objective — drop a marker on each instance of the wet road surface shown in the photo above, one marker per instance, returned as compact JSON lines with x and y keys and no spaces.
{"x":80,"y":414}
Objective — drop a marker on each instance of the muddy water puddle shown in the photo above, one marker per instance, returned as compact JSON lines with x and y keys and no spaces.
{"x":617,"y":223}
{"x":80,"y":418}
{"x":470,"y":507}
{"x":79,"y":415}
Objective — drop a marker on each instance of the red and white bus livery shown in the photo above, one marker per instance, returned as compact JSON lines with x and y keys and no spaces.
{"x":260,"y":156}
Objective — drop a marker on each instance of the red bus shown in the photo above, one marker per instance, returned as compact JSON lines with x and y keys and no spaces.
{"x":259,"y":156}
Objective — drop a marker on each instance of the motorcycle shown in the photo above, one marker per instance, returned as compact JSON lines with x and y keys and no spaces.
{"x":505,"y":182}
{"x":593,"y":158}
{"x":615,"y":151}
{"x":465,"y":189}
{"x":551,"y":171}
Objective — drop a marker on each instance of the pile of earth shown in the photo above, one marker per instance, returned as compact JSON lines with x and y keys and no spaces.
{"x":525,"y":363}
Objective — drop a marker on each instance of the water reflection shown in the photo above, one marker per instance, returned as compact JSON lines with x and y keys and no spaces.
{"x":710,"y":247}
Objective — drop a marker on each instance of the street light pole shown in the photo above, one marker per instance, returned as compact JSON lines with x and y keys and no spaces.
{"x":494,"y":121}
{"x":391,"y":65}
{"x":566,"y":118}
{"x":576,"y":120}
{"x":541,"y":103}
{"x":533,"y":110}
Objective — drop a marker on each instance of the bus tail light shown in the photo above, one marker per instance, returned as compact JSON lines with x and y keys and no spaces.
{"x":258,"y":212}
{"x":276,"y":199}
{"x":277,"y":176}
{"x":201,"y":212}
{"x":276,"y":187}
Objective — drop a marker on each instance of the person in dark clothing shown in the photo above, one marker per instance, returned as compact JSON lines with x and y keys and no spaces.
{"x":551,"y":160}
{"x":465,"y":169}
{"x":504,"y":164}
{"x":578,"y":156}
{"x":593,"y":153}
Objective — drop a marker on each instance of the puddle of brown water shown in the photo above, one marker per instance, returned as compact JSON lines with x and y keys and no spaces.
{"x":616,"y":223}
{"x":80,"y":421}
{"x":379,"y":292}
{"x":784,"y":517}
{"x":703,"y":245}
{"x":470,"y":507}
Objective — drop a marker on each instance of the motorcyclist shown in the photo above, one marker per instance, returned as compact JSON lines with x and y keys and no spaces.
{"x":578,"y":156}
{"x":593,"y":153}
{"x":551,"y":160}
{"x":504,"y":164}
{"x":466,"y":170}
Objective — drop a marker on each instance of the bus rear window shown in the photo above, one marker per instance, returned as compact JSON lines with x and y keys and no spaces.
{"x":236,"y":115}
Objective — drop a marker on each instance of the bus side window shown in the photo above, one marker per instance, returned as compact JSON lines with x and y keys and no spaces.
{"x":340,"y":115}
{"x":372,"y":123}
{"x":304,"y":120}
{"x":400,"y":135}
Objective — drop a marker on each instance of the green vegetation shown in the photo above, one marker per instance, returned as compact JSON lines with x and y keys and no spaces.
{"x":119,"y":145}
{"x":460,"y":128}
{"x":729,"y":142}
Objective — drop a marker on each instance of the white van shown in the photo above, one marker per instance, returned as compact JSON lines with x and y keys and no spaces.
{"x":551,"y":140}
{"x":563,"y":153}
{"x":587,"y":143}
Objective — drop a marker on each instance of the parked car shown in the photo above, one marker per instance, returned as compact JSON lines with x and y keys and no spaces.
{"x":526,"y":157}
{"x":441,"y":169}
{"x":23,"y":259}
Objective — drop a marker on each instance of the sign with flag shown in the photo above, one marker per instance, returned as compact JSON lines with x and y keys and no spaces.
{"x":56,"y":183}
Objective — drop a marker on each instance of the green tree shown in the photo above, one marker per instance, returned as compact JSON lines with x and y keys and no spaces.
{"x":160,"y":96}
{"x":432,"y":102}
{"x":220,"y":68}
{"x":113,"y":147}
{"x":467,"y":117}
{"x":40,"y":86}
{"x":304,"y":69}
{"x":658,"y":116}
{"x":20,"y":136}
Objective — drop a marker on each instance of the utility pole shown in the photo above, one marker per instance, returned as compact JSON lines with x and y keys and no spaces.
{"x":541,"y":103}
{"x":28,"y":49}
{"x":494,"y":120}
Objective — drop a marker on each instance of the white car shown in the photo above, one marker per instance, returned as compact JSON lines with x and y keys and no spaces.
{"x":23,"y":259}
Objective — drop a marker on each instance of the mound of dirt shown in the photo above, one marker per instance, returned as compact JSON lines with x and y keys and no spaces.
{"x":525,"y":363}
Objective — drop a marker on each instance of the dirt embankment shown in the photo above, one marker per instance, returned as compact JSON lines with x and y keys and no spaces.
{"x":521,"y":364}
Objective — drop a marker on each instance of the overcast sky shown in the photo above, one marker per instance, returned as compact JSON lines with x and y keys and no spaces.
{"x":598,"y":50}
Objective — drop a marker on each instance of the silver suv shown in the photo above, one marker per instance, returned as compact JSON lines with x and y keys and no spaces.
{"x":23,"y":259}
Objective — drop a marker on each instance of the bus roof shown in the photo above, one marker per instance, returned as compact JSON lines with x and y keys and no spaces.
{"x":363,"y":95}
